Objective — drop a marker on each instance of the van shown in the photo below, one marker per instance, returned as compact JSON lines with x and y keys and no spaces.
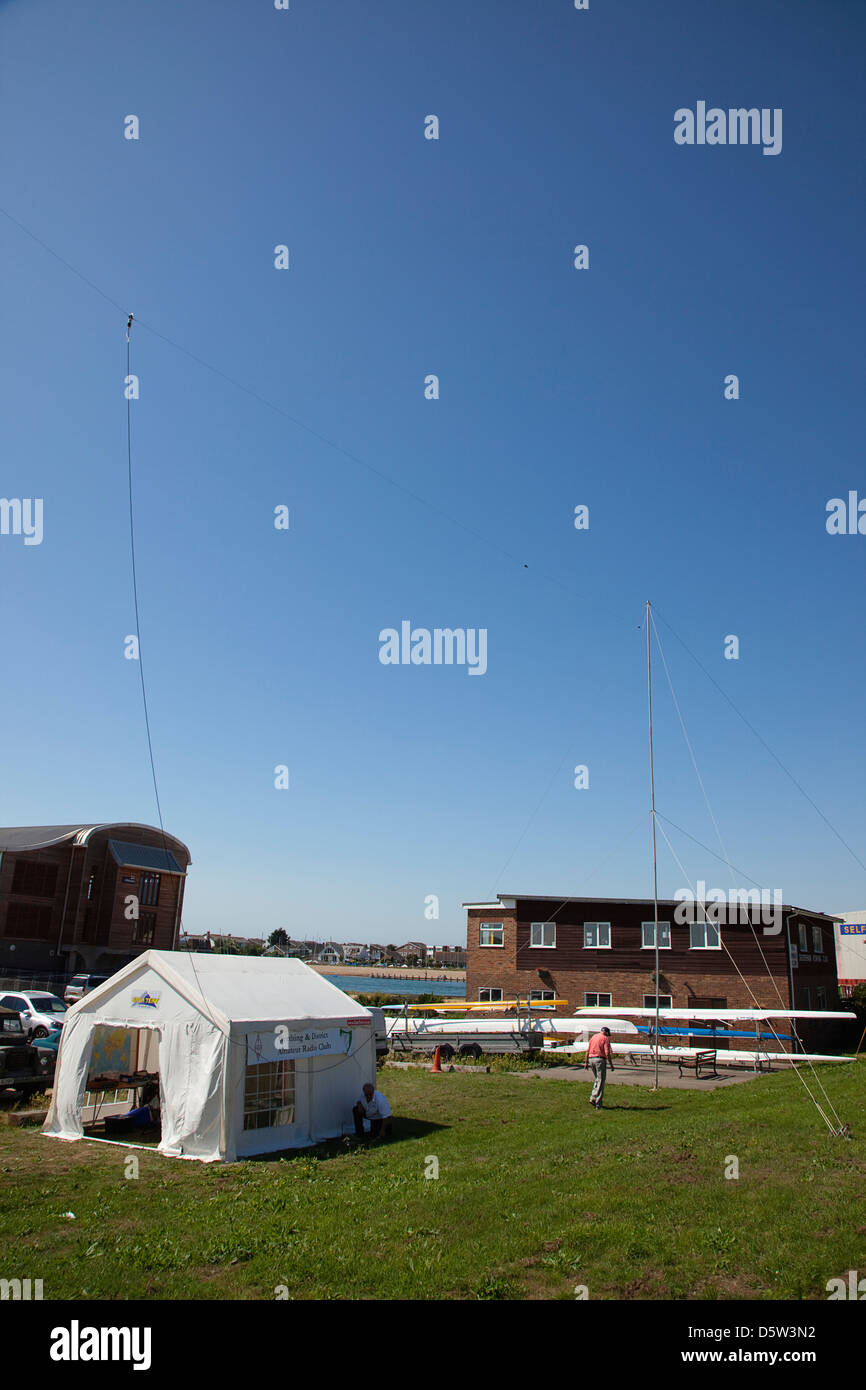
{"x":381,"y":1032}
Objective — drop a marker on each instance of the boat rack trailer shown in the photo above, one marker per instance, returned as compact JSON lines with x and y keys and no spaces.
{"x":468,"y":1037}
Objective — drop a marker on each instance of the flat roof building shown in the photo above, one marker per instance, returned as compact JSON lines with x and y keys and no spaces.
{"x":596,"y":952}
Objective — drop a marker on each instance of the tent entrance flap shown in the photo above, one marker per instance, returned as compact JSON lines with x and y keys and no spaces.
{"x":122,"y":1079}
{"x":122,"y":1051}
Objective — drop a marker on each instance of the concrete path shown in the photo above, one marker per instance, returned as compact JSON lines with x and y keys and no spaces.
{"x":669,"y":1078}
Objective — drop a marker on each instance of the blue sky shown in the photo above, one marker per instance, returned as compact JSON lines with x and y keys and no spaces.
{"x":557,"y":387}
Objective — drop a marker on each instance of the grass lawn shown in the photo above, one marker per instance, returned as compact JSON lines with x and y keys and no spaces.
{"x":536,"y":1193}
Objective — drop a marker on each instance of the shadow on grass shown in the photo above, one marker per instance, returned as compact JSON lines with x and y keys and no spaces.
{"x":641,"y":1108}
{"x":403,"y":1129}
{"x":147,"y":1137}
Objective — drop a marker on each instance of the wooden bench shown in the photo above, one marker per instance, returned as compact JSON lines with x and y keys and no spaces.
{"x":700,"y":1059}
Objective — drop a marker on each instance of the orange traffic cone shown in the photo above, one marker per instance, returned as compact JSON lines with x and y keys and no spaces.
{"x":437,"y":1061}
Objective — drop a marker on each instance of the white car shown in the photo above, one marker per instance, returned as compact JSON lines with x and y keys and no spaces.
{"x":80,"y":985}
{"x":41,"y":1013}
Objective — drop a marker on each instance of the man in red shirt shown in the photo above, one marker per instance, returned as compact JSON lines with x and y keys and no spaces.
{"x":599,"y":1056}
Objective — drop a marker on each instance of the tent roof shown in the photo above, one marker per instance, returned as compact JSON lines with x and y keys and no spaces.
{"x":239,"y":989}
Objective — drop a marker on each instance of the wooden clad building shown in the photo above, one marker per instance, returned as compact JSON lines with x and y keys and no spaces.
{"x":88,"y":897}
{"x":601,"y":951}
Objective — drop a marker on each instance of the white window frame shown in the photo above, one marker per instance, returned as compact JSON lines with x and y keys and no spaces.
{"x":269,"y":1095}
{"x":804,"y":939}
{"x":540,"y":995}
{"x":490,"y":991}
{"x":649,"y":1001}
{"x":705,"y":927}
{"x":664,"y":930}
{"x":542,"y":945}
{"x":817,"y":940}
{"x":820,"y":996}
{"x":491,"y":926}
{"x":599,"y":946}
{"x":596,"y":997}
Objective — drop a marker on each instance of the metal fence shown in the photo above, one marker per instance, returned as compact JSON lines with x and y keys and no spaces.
{"x":53,"y":984}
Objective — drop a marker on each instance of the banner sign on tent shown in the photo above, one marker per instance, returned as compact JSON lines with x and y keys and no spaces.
{"x":287,"y":1042}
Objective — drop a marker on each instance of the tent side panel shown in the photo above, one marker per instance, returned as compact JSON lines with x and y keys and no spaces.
{"x":326,"y":1088}
{"x":336,"y":1088}
{"x":70,"y":1078}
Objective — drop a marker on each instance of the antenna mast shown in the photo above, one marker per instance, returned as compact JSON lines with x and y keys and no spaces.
{"x":655,"y":865}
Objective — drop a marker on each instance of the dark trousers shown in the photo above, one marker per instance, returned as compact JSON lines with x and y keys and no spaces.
{"x":378,"y":1128}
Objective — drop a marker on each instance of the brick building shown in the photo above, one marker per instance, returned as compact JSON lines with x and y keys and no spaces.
{"x":68,"y":894}
{"x":601,"y":951}
{"x":448,"y":955}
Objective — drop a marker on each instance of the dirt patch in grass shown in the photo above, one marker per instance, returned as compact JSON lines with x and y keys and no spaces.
{"x":653,"y":1284}
{"x":727,"y":1286}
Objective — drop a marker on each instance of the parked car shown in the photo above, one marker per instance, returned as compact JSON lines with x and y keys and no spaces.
{"x":41,"y":1013}
{"x":20,"y":1066}
{"x":46,"y":1052}
{"x":80,"y":985}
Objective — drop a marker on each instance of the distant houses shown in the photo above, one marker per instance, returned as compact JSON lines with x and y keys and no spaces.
{"x":414,"y":954}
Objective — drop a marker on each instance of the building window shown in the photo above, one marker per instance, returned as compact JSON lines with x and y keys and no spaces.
{"x":665,"y":1001}
{"x":597,"y":1001}
{"x":596,"y":935}
{"x":704,"y":936}
{"x":817,"y":940}
{"x":491,"y":934}
{"x":148,"y":889}
{"x":34,"y":879}
{"x":489,"y":995}
{"x":541,"y":994}
{"x":269,"y":1095}
{"x":543,"y":934}
{"x":91,"y":885}
{"x":143,"y":929}
{"x":821,"y":1001}
{"x":649,"y":935}
{"x":804,"y":938}
{"x":29,"y":920}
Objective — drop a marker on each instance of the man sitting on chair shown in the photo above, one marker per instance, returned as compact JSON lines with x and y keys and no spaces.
{"x":373,"y":1107}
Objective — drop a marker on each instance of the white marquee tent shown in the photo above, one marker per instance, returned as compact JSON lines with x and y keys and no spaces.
{"x":254,"y":1054}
